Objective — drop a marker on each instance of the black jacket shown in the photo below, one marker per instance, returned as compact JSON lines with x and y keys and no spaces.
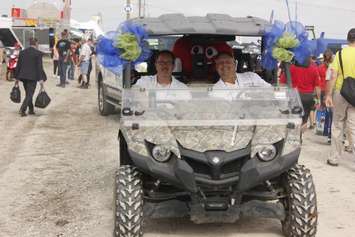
{"x":30,"y":65}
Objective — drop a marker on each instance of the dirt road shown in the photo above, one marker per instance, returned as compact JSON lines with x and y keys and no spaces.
{"x":57,"y":173}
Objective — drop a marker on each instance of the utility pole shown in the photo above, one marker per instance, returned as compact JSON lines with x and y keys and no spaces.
{"x":128,"y":9}
{"x":143,"y":8}
{"x":140,"y":8}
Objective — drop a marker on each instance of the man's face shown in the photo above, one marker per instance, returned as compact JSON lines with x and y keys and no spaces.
{"x":225,"y":66}
{"x":164,"y":65}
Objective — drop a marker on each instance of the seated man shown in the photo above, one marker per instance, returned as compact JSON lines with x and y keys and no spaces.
{"x":226,"y":68}
{"x":164,"y":79}
{"x":164,"y":64}
{"x":229,"y":79}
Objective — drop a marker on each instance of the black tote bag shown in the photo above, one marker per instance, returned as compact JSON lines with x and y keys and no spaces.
{"x":42,"y":100}
{"x":15,"y":95}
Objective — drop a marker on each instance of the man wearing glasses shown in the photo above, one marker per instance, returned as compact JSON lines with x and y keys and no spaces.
{"x":164,"y":79}
{"x":169,"y":88}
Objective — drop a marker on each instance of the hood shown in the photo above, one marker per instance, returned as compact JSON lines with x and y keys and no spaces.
{"x":201,"y":139}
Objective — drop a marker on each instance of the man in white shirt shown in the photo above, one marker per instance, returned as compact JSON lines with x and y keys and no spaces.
{"x":229,"y":79}
{"x":164,"y":79}
{"x":84,"y":61}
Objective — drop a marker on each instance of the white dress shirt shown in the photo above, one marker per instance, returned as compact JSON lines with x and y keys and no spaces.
{"x":151,"y":82}
{"x":176,"y":90}
{"x":244,"y":80}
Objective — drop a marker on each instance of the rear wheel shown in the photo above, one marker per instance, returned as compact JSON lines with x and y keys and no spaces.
{"x":129,"y":203}
{"x":300,"y":204}
{"x":105,"y":108}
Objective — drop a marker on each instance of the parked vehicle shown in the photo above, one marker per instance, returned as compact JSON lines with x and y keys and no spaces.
{"x":12,"y":55}
{"x":208,"y":158}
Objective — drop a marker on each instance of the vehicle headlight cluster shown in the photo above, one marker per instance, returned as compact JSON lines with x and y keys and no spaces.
{"x":161,"y":153}
{"x":266,"y":152}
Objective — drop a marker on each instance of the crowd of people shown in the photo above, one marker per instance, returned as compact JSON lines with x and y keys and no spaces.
{"x":71,"y":58}
{"x":319,"y":84}
{"x":69,"y":55}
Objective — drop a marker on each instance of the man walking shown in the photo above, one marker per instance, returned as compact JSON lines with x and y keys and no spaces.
{"x":84,"y":62}
{"x":29,"y":70}
{"x":63,"y":47}
{"x":344,"y":112}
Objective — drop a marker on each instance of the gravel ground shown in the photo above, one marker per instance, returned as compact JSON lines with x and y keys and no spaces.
{"x":57,"y":174}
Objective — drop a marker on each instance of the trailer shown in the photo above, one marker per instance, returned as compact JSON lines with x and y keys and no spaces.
{"x":42,"y":34}
{"x":11,"y":33}
{"x":7,"y":34}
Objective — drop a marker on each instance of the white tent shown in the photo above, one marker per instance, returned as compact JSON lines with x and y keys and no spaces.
{"x":89,"y":25}
{"x":5,"y":22}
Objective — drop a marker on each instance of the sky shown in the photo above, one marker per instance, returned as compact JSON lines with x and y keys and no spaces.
{"x":334,"y":17}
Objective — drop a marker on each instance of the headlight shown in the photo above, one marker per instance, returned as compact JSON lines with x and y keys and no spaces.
{"x":161,"y":153}
{"x":266,"y":153}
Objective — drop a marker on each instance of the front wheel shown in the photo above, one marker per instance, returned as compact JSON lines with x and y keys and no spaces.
{"x":129,"y":203}
{"x":300,"y":204}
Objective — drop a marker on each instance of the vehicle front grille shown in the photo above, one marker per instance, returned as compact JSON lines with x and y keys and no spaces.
{"x":207,"y":169}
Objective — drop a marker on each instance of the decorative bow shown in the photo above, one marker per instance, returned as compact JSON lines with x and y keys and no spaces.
{"x":127,"y":45}
{"x":285,"y":42}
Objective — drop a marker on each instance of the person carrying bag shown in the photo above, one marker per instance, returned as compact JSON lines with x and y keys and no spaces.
{"x":341,"y":97}
{"x":29,"y":70}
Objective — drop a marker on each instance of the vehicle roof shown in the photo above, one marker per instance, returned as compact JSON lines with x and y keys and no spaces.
{"x":211,"y":24}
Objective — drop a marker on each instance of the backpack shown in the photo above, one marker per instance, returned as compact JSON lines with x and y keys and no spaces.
{"x":348,"y":87}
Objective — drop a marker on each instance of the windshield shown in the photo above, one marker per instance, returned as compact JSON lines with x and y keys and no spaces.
{"x":206,"y":106}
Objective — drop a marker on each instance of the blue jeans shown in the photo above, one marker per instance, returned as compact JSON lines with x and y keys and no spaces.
{"x":71,"y":71}
{"x":84,"y":67}
{"x":63,"y":71}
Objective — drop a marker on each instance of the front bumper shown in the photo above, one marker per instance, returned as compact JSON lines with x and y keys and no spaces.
{"x":233,"y":169}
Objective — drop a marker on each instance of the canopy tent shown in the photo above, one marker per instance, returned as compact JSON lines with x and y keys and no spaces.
{"x":85,"y":26}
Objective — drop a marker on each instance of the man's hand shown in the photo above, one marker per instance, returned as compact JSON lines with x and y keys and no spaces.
{"x":329,"y":101}
{"x":41,"y":82}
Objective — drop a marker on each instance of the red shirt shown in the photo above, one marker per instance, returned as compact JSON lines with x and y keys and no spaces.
{"x":322,"y":69}
{"x":304,"y":79}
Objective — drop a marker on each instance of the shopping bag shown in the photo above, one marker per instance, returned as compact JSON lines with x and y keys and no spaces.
{"x":42,"y":100}
{"x":15,"y":95}
{"x":320,"y":121}
{"x":328,"y":122}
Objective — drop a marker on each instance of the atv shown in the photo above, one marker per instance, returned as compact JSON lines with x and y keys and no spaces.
{"x":211,"y":159}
